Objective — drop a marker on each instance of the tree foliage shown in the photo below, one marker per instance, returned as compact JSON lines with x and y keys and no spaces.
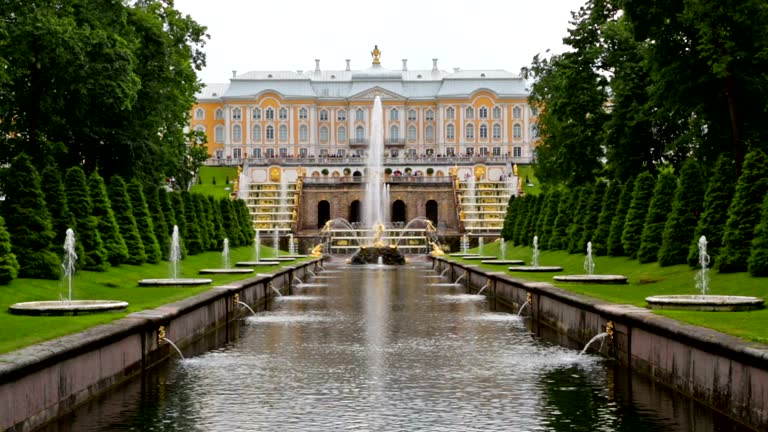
{"x":758,"y":257}
{"x":686,"y":208}
{"x":656,"y":219}
{"x":9,"y":265}
{"x":90,"y":248}
{"x":55,"y":200}
{"x":144,"y":222}
{"x":117,"y":251}
{"x":638,"y":210}
{"x":717,"y":200}
{"x":607,"y":212}
{"x":592,"y":214}
{"x":124,"y":214}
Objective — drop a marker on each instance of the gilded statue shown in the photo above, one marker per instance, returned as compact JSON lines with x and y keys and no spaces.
{"x":317,"y":251}
{"x":436,"y":250}
{"x":378,"y":231}
{"x":514,"y":170}
{"x":376,"y":54}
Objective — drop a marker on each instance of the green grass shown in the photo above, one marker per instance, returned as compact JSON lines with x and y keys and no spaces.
{"x":119,"y":283}
{"x":647,"y":280}
{"x":527,"y":171}
{"x":218,"y":190}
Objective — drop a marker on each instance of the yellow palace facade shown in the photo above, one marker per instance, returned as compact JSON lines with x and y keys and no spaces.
{"x":327,"y":114}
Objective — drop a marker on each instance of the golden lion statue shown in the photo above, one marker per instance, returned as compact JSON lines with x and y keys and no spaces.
{"x":436,"y":250}
{"x":317,"y":251}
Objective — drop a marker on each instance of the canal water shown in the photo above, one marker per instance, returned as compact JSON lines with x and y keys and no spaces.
{"x":389,"y":349}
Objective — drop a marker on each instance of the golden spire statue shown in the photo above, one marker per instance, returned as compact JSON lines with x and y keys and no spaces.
{"x":376,"y":54}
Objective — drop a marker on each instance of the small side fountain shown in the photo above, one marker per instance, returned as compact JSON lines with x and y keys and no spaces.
{"x":174,"y":259}
{"x":257,"y":262}
{"x":607,"y":334}
{"x":464,"y":248}
{"x":703,"y":301}
{"x":502,"y":258}
{"x":227,"y":268}
{"x":276,"y":249}
{"x":535,"y":267}
{"x":162,"y":339}
{"x":590,"y":276}
{"x":68,"y":306}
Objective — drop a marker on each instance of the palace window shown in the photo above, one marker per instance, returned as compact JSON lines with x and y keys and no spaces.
{"x":359,"y":115}
{"x":470,"y":135}
{"x":219,"y":154}
{"x":517,"y":131}
{"x":496,"y":113}
{"x":256,"y":136}
{"x":218,"y":134}
{"x":237,"y":114}
{"x":450,"y":151}
{"x":497,"y":131}
{"x":430,"y":133}
{"x":517,"y":112}
{"x":324,"y":134}
{"x":483,"y":112}
{"x":342,"y":134}
{"x":269,"y":114}
{"x":341,"y":115}
{"x":412,"y":115}
{"x":483,"y":151}
{"x":323,"y":115}
{"x":394,"y":114}
{"x":237,"y":133}
{"x":283,"y":114}
{"x":283,"y":152}
{"x":270,"y":152}
{"x":450,"y":113}
{"x":497,"y":151}
{"x":429,"y":115}
{"x":303,"y":133}
{"x":256,"y":153}
{"x":219,"y":115}
{"x":534,"y":131}
{"x":394,"y":133}
{"x":450,"y":132}
{"x":303,"y":152}
{"x":517,"y":151}
{"x":303,"y":114}
{"x":199,"y":114}
{"x":360,"y":133}
{"x":469,"y":151}
{"x":256,"y":115}
{"x":270,"y":133}
{"x":412,"y":133}
{"x":469,"y":113}
{"x":534,"y":112}
{"x":283,"y":133}
{"x":201,"y":135}
{"x":484,"y":131}
{"x":237,"y":153}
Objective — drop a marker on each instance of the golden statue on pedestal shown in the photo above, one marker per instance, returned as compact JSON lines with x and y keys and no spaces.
{"x":376,"y":54}
{"x":317,"y":251}
{"x":378,"y":231}
{"x":514,"y":170}
{"x":436,"y":250}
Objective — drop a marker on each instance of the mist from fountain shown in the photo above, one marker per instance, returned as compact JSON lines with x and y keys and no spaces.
{"x":225,"y":254}
{"x":535,"y":257}
{"x":375,"y":188}
{"x":175,"y":255}
{"x":589,"y":263}
{"x":702,"y":276}
{"x":480,"y":246}
{"x":503,"y":248}
{"x":599,"y":337}
{"x":276,"y":243}
{"x":257,"y":247}
{"x":70,"y":258}
{"x":464,"y":243}
{"x":291,"y":245}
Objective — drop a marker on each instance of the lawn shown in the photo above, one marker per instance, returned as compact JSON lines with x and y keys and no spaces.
{"x":119,"y":283}
{"x":646,"y":280}
{"x":208,"y":174}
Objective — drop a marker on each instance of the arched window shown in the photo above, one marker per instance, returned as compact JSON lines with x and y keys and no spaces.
{"x":430,"y":133}
{"x":360,"y":134}
{"x":429,"y":115}
{"x":200,"y":129}
{"x":412,"y":133}
{"x":303,"y":133}
{"x":218,"y":134}
{"x":219,"y":114}
{"x":399,"y":213}
{"x":237,"y":133}
{"x":517,"y":112}
{"x":303,"y":114}
{"x":342,"y":134}
{"x":199,"y":114}
{"x":394,"y":133}
{"x":393,"y":114}
{"x":354,"y":211}
{"x":470,"y":132}
{"x":341,"y":115}
{"x":450,"y":113}
{"x":256,"y":137}
{"x":283,"y":114}
{"x":324,"y":134}
{"x":450,"y":132}
{"x":412,"y":115}
{"x":270,"y":133}
{"x":359,"y":115}
{"x":270,"y":114}
{"x":483,"y":112}
{"x":497,"y":131}
{"x":496,"y":113}
{"x":323,"y":115}
{"x":256,"y":115}
{"x":431,"y":211}
{"x":470,"y":113}
{"x":323,"y":213}
{"x":517,"y":131}
{"x":283,"y":133}
{"x":236,"y":114}
{"x":484,"y":131}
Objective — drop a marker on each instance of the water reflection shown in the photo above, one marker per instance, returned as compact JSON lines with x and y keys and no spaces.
{"x":383,"y":350}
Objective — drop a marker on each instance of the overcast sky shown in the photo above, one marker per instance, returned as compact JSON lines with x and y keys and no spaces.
{"x":249,"y":35}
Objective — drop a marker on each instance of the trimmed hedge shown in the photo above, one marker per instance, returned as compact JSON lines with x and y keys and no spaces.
{"x":656,"y":219}
{"x":117,"y":251}
{"x":90,"y":248}
{"x":638,"y":210}
{"x":682,"y":221}
{"x":144,"y":222}
{"x":717,"y":200}
{"x":614,"y":245}
{"x":123,"y":210}
{"x":9,"y":265}
{"x":607,"y":212}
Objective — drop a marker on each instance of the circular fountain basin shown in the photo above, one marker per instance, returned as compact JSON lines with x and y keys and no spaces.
{"x":256,"y":263}
{"x":295,"y":256}
{"x":535,"y":269}
{"x":503,"y":262}
{"x":479,"y":257}
{"x":596,"y":279}
{"x":226,"y":271}
{"x":462,"y":254}
{"x":281,"y":259}
{"x":175,"y":282}
{"x":709,"y":303}
{"x":66,"y":307}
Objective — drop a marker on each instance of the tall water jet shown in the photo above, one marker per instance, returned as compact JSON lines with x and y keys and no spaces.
{"x":535,"y":257}
{"x":174,"y":258}
{"x":225,"y":253}
{"x":374,"y":203}
{"x":480,"y":245}
{"x":464,"y":243}
{"x":70,"y":258}
{"x":291,"y":245}
{"x":589,"y":263}
{"x":276,"y":242}
{"x":702,"y":276}
{"x":503,"y":248}
{"x":175,"y":255}
{"x":257,"y":247}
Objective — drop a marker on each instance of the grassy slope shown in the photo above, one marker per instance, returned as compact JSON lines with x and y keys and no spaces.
{"x":650,"y":279}
{"x":119,"y":283}
{"x":218,"y":190}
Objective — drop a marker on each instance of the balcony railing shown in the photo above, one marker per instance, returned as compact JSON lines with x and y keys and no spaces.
{"x":361,"y":161}
{"x":389,"y":179}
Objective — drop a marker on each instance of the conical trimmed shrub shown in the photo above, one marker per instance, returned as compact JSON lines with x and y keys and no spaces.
{"x":191,"y":229}
{"x":117,"y":251}
{"x":144,"y":222}
{"x":123,"y":210}
{"x":565,"y":213}
{"x":548,"y":217}
{"x":90,"y":249}
{"x":577,"y":221}
{"x":28,"y":221}
{"x":521,"y":212}
{"x":509,"y":218}
{"x":686,"y":208}
{"x":55,"y":200}
{"x":9,"y":266}
{"x":615,"y":248}
{"x":607,"y":212}
{"x":656,"y":219}
{"x":758,"y":257}
{"x":164,"y":232}
{"x":246,"y":224}
{"x":220,"y":233}
{"x":202,"y":221}
{"x":177,"y":204}
{"x":744,"y":214}
{"x":717,"y":200}
{"x":592,"y":214}
{"x":228,"y":220}
{"x":638,"y":210}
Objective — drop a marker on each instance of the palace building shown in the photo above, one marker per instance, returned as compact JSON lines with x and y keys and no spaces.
{"x":326,"y":113}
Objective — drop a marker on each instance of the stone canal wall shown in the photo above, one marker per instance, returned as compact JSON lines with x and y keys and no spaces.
{"x":722,"y":371}
{"x":44,"y":381}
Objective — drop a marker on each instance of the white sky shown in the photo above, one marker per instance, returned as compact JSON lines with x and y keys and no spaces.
{"x":248,"y":35}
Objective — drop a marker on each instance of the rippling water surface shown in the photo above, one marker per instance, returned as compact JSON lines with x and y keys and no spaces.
{"x":388,"y":351}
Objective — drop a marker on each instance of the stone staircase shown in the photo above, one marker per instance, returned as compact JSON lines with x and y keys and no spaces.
{"x":482,"y":205}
